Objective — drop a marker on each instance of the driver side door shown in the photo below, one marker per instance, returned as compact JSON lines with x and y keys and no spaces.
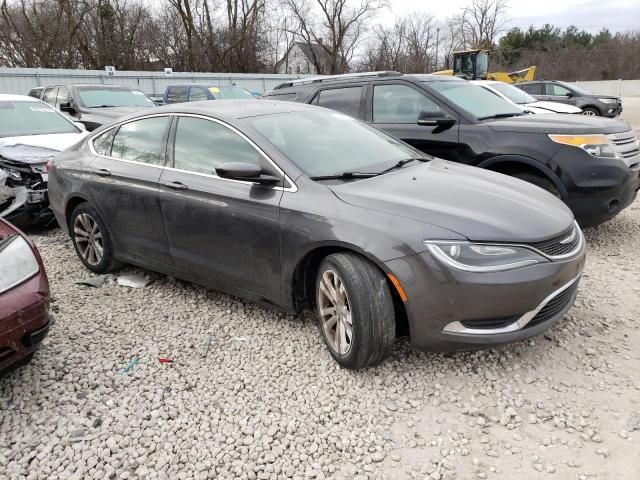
{"x":394,"y":108}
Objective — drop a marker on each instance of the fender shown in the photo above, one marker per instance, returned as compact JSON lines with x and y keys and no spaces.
{"x":530,"y":162}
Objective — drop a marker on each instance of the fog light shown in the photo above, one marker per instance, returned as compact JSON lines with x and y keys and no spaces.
{"x":614,"y":205}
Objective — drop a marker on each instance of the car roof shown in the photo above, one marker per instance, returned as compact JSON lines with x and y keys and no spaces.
{"x":107,"y":85}
{"x":236,"y":109}
{"x":202,"y":85}
{"x":17,"y":98}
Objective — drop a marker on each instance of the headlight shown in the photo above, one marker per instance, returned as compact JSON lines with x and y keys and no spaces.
{"x":608,"y":100}
{"x":472,"y":257}
{"x":595,"y":145}
{"x":17,"y":262}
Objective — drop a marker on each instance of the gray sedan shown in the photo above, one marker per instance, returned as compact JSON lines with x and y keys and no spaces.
{"x":300,"y":207}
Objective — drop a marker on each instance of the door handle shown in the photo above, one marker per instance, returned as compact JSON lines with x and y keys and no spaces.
{"x":176,"y":186}
{"x":103,"y":172}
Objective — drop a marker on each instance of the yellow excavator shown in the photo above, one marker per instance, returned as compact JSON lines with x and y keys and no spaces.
{"x":474,"y":65}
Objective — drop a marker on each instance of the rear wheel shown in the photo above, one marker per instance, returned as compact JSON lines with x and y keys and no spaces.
{"x":92,"y":240}
{"x":539,"y":181}
{"x":591,"y":112}
{"x":355,"y":310}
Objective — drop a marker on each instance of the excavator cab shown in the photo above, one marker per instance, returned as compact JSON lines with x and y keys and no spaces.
{"x":471,"y":64}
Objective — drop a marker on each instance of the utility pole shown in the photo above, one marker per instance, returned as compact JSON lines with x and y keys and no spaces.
{"x":437,"y":45}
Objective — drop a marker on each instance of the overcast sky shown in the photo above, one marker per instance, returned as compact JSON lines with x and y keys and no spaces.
{"x":591,"y":15}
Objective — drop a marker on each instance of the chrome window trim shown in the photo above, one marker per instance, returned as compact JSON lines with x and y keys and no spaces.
{"x":519,"y":324}
{"x":292,"y":188}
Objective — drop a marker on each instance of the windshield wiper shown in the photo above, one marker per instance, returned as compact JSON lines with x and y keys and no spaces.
{"x":103,"y":106}
{"x":502,"y":115}
{"x":402,"y":163}
{"x":345,"y":176}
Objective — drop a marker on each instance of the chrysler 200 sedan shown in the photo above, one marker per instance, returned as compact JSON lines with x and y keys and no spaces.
{"x":302,"y":207}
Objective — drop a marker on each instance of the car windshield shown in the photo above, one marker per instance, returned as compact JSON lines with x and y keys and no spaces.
{"x":32,"y":118}
{"x":513,"y":93}
{"x":329,"y":143}
{"x":231,"y":93}
{"x":476,"y":100}
{"x":95,"y":97}
{"x":575,"y":89}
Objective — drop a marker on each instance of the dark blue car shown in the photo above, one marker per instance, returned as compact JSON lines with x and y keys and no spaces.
{"x":197,"y":92}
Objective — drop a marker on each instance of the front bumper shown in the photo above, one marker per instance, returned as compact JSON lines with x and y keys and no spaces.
{"x":450,"y":309}
{"x":598,"y":189}
{"x":25,"y":321}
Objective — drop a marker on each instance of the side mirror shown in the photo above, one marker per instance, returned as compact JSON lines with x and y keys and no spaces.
{"x":247,"y":172}
{"x":67,"y":107}
{"x":435,"y":118}
{"x":569,"y":94}
{"x":81,"y":126}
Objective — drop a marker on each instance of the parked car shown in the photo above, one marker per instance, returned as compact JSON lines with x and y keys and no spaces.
{"x":193,"y":92}
{"x":528,"y":103}
{"x":591,"y":164}
{"x":24,"y":299}
{"x":31,"y":133}
{"x":95,"y":105}
{"x":561,"y":92}
{"x":298,"y":206}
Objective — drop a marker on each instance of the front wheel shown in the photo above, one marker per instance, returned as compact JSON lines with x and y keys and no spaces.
{"x":92,"y":240}
{"x":591,"y":112}
{"x":355,"y":310}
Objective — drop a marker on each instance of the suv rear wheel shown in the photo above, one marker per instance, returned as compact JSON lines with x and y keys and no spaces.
{"x":355,"y":310}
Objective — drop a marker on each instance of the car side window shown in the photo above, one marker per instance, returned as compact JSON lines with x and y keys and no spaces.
{"x":532,"y":88}
{"x":102,"y":143}
{"x":177,"y":95}
{"x":141,"y":140}
{"x":196,"y":94}
{"x":50,"y":96}
{"x":345,"y":100}
{"x":556,"y":90}
{"x":64,"y":96}
{"x":202,"y":145}
{"x":399,"y":104}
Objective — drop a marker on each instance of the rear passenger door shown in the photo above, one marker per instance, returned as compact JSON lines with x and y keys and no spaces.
{"x":123,"y":181}
{"x":394,"y":108}
{"x":348,"y":100}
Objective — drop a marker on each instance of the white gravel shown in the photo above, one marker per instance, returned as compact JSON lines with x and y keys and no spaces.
{"x":267,"y":401}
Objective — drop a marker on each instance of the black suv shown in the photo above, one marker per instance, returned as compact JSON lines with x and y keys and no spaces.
{"x":95,"y":105}
{"x":590,"y":163}
{"x":556,"y":91}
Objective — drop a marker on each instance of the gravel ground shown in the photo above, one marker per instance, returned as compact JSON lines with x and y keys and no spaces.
{"x":267,"y":400}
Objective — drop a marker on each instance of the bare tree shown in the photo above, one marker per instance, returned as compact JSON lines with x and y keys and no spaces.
{"x":336,"y":26}
{"x":482,"y":21}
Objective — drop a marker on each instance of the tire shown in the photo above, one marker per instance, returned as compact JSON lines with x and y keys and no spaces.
{"x":591,"y":111}
{"x":89,"y":233}
{"x":367,"y":302}
{"x":539,"y":181}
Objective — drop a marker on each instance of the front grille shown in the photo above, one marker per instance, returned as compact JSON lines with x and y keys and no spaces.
{"x":564,"y":244}
{"x":554,"y":306}
{"x":626,"y":145}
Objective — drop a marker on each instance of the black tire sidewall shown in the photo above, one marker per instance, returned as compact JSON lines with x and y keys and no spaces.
{"x":108,"y":261}
{"x":360,"y":293}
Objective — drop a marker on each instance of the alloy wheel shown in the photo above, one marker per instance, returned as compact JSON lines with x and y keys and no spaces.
{"x":589,"y":113}
{"x":88,"y":238}
{"x":335,"y":312}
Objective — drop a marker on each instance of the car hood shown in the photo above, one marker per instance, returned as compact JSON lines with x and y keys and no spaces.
{"x":113,"y":112}
{"x":557,"y":123}
{"x":554,"y":107}
{"x":475,"y":203}
{"x":35,"y":149}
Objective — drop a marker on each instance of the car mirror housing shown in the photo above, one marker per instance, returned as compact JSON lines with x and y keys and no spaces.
{"x":67,"y":107}
{"x":435,"y":118}
{"x":245,"y":171}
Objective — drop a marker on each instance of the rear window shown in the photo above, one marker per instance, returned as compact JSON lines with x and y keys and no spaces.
{"x":345,"y":100}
